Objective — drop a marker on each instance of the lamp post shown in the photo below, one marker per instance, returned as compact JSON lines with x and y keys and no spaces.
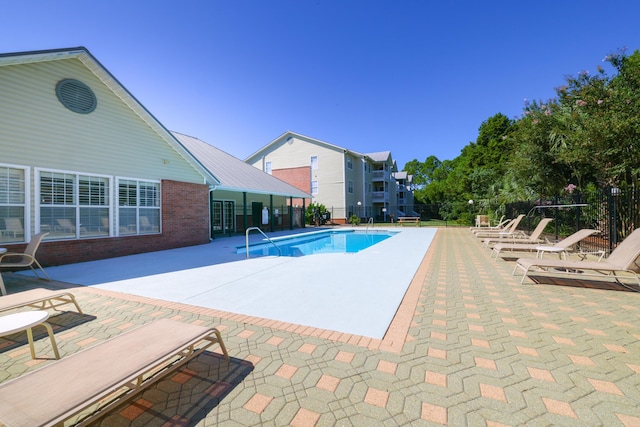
{"x":470,"y":211}
{"x":384,"y":214}
{"x":615,"y":192}
{"x":359,"y":210}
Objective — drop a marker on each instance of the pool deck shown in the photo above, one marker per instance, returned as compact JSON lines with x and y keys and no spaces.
{"x":355,"y":293}
{"x":479,"y":349}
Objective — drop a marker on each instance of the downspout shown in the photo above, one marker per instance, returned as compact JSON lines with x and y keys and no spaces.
{"x":271,"y":210}
{"x":211,"y":190}
{"x":291,"y":212}
{"x":364,"y":192}
{"x":244,"y":209}
{"x":344,"y":186}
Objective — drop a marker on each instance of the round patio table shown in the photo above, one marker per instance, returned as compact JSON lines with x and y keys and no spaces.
{"x":25,"y":320}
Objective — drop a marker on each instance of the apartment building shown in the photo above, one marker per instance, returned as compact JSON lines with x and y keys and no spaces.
{"x":346,"y":182}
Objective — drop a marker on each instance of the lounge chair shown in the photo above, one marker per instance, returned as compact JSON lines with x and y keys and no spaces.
{"x":534,"y":237}
{"x":38,"y":298}
{"x":624,"y":258}
{"x":65,"y":225}
{"x":499,"y":226}
{"x":561,"y":247}
{"x":509,"y":230}
{"x":25,"y":259}
{"x":13,"y":227}
{"x":146,"y":226}
{"x":104,"y":374}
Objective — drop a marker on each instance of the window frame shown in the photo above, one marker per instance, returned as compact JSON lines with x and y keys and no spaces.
{"x":80,"y":209}
{"x":140,"y":229}
{"x":25,"y":205}
{"x":313,"y":162}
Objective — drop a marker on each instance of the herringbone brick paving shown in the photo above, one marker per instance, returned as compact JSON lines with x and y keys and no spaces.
{"x":470,"y":346}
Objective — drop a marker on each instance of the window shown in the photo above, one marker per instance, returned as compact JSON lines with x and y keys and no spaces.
{"x":349,"y":162}
{"x":73,"y":205}
{"x":314,"y":187}
{"x":12,"y":204}
{"x":267,"y":167}
{"x":314,"y":162}
{"x":138,"y":207}
{"x":350,"y":187}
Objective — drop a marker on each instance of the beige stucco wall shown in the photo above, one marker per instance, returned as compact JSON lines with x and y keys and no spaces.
{"x":297,"y":152}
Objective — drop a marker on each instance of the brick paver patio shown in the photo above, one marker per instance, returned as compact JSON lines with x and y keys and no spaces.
{"x":469,"y":346}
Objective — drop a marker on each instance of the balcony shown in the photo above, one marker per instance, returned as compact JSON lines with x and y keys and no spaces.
{"x":380,"y":196}
{"x":380,"y":176}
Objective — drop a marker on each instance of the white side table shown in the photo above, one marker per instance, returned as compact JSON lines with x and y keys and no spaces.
{"x":3,"y":290}
{"x":25,"y":320}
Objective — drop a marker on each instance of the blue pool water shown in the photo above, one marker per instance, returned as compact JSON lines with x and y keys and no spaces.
{"x":344,"y":241}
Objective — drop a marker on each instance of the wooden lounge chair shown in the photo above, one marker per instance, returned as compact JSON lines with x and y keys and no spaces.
{"x":534,"y":237}
{"x":509,"y":230}
{"x":24,"y":259}
{"x":624,"y":258}
{"x":38,"y":298}
{"x":103,"y":374}
{"x":561,"y":247}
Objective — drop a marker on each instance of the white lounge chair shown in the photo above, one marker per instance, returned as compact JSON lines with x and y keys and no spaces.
{"x":624,"y":258}
{"x":510,"y":229}
{"x":39,"y":298}
{"x":104,"y":374}
{"x":534,"y":237}
{"x":561,"y":247}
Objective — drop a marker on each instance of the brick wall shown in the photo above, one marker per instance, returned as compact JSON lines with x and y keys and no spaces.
{"x":298,"y":177}
{"x":185,"y":222}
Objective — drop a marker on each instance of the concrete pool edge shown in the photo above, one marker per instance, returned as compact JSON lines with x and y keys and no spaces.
{"x":392,"y":341}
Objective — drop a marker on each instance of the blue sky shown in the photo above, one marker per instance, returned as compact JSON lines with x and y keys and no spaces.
{"x":415,"y":77}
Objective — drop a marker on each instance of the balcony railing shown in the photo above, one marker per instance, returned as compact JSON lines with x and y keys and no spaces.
{"x":380,"y":196}
{"x":380,"y":175}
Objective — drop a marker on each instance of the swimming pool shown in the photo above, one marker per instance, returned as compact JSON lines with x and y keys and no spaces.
{"x":333,"y":241}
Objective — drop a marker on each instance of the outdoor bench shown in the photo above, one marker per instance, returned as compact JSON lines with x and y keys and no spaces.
{"x":409,"y":219}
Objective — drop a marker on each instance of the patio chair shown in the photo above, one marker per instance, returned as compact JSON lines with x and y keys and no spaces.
{"x":534,"y":237}
{"x":561,"y":247}
{"x":25,"y":259}
{"x":13,"y":227}
{"x":509,"y":230}
{"x":38,"y":298}
{"x":102,"y":376}
{"x":624,"y":258}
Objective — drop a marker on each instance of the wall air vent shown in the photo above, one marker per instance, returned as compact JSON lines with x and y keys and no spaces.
{"x":76,"y":96}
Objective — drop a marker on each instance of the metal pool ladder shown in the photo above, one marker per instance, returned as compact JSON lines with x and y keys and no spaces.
{"x":370,"y":222}
{"x":265,"y":236}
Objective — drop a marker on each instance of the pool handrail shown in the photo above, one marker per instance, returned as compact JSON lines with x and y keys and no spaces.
{"x":265,"y":236}
{"x":369,"y":222}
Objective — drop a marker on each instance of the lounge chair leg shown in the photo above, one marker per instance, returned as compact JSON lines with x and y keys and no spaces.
{"x":41,"y":269}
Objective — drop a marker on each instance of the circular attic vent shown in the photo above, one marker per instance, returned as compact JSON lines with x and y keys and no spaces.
{"x":76,"y":96}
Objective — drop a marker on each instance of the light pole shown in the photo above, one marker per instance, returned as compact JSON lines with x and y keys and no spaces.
{"x":470,"y":211}
{"x":615,"y":192}
{"x":359,"y":210}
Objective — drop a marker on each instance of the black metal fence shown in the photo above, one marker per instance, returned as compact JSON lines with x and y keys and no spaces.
{"x":612,"y":211}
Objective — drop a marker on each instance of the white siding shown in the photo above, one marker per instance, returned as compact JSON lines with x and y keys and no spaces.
{"x":37,"y":130}
{"x":297,"y":152}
